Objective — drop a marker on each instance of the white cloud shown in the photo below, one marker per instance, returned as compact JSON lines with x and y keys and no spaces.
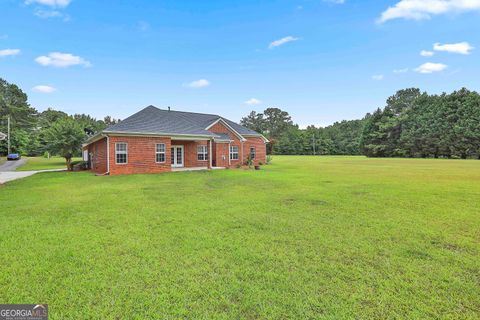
{"x":253,"y":102}
{"x":335,"y":1}
{"x":426,"y":53}
{"x":202,"y":83}
{"x":282,"y":41}
{"x":405,"y":70}
{"x":430,"y":67}
{"x":378,"y":77}
{"x":46,"y":14}
{"x":43,"y":89}
{"x":51,"y":3}
{"x":9,"y":52}
{"x":461,"y":47}
{"x":62,"y":60}
{"x":425,"y":9}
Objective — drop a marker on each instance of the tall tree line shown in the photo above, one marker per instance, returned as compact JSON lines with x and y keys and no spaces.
{"x":416,"y":124}
{"x":33,"y":132}
{"x":412,"y":124}
{"x":341,"y":138}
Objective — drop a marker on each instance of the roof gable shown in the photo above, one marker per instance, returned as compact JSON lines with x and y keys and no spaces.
{"x":227,"y":127}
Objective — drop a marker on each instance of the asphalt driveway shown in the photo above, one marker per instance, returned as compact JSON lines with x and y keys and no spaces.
{"x":11,"y":165}
{"x":8,"y":173}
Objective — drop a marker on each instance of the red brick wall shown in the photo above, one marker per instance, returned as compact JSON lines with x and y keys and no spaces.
{"x":190,"y":150}
{"x":221,"y":128}
{"x":141,"y":155}
{"x":221,"y":154}
{"x":260,"y":149}
{"x":243,"y":148}
{"x":98,"y":156}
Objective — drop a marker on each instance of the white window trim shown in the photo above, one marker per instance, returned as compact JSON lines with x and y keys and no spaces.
{"x":164,"y":153}
{"x":204,"y":153}
{"x":122,"y":152}
{"x":232,"y":153}
{"x":254,"y":152}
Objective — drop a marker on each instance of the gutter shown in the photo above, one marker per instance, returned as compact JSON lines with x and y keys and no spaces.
{"x":108,"y":155}
{"x":160,"y":134}
{"x":104,"y":133}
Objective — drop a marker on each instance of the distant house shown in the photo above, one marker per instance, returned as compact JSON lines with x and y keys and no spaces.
{"x":155,"y":140}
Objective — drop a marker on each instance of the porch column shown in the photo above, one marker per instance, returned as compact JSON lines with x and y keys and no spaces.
{"x":241,"y":157}
{"x":210,"y":155}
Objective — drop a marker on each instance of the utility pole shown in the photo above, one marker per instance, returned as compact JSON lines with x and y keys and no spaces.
{"x":8,"y":132}
{"x":313,"y":142}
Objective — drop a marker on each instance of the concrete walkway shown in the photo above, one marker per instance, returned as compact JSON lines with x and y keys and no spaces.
{"x":14,"y":175}
{"x":8,"y":173}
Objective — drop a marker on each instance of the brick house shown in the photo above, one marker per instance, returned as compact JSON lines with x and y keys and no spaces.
{"x":155,"y":140}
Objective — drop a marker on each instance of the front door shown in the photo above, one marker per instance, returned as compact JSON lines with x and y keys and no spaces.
{"x":176,"y":156}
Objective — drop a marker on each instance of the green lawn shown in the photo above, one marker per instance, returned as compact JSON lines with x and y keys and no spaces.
{"x":41,"y":163}
{"x":2,"y":159}
{"x":304,"y":238}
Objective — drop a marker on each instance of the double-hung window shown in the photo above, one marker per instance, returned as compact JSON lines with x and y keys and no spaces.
{"x":233,"y":152}
{"x":160,"y":152}
{"x":252,"y":153}
{"x":202,"y":152}
{"x":121,"y":153}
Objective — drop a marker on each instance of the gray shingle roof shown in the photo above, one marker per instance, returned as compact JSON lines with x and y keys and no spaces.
{"x":152,"y":120}
{"x":222,"y":136}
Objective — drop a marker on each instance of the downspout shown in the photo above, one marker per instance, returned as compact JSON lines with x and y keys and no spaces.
{"x":229,"y":147}
{"x":210,"y":154}
{"x":241,"y":158}
{"x":108,"y":155}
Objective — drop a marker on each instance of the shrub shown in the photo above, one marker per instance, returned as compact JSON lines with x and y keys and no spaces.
{"x":249,"y":161}
{"x":269,"y":159}
{"x":82,"y":165}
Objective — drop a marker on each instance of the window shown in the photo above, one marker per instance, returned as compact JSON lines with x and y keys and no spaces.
{"x":233,"y":152}
{"x":160,"y":152}
{"x":121,"y":153}
{"x":252,"y":153}
{"x":202,"y":153}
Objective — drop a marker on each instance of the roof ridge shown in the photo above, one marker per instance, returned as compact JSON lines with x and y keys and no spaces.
{"x":177,"y":111}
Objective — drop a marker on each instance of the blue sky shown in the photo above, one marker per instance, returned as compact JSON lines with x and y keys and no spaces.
{"x":322,"y":61}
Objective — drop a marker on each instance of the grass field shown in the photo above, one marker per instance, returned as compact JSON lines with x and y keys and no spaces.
{"x":41,"y":163}
{"x":304,"y":238}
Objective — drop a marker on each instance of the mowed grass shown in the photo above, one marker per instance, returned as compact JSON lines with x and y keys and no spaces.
{"x":41,"y":163}
{"x":304,"y":238}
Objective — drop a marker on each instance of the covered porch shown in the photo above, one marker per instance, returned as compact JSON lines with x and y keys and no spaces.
{"x":194,"y":155}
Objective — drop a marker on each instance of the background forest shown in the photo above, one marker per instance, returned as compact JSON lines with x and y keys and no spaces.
{"x":411,"y":124}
